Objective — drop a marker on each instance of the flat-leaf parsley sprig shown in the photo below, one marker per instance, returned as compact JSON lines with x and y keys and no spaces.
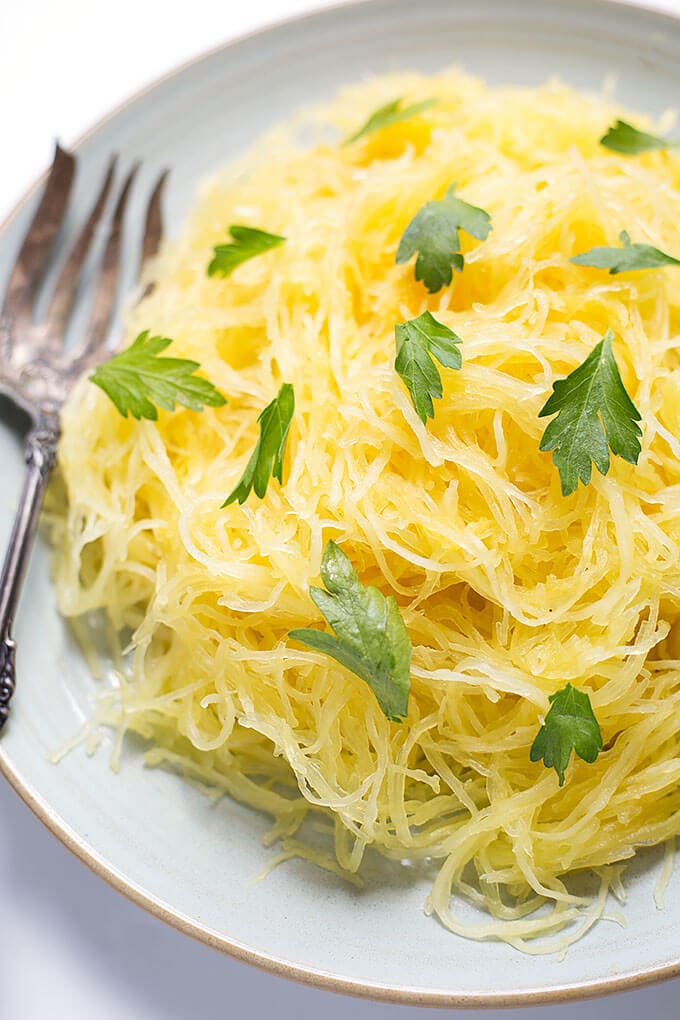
{"x":370,"y":637}
{"x":570,"y":725}
{"x":246,"y":243}
{"x":625,"y":259}
{"x":625,"y":138}
{"x":266,"y":460}
{"x":433,"y":234}
{"x":419,"y":341}
{"x":137,"y":380}
{"x":594,"y":415}
{"x":391,"y":113}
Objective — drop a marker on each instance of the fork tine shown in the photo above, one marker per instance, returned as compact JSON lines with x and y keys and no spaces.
{"x":102,"y":308}
{"x":65,"y":290}
{"x":39,"y":237}
{"x":153,"y":228}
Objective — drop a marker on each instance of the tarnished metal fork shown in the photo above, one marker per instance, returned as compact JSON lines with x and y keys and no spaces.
{"x":36,"y":372}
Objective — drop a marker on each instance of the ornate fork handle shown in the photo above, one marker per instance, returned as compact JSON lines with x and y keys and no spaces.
{"x":40,"y":453}
{"x":36,"y":372}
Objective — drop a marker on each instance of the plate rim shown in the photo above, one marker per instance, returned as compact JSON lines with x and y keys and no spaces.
{"x":407,"y":995}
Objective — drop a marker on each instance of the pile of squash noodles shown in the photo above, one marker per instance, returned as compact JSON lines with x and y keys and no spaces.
{"x":508,"y":589}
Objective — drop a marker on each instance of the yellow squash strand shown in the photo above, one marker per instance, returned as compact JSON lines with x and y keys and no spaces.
{"x":508,"y":590}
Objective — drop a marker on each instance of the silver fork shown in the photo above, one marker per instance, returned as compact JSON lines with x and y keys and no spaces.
{"x":36,"y":373}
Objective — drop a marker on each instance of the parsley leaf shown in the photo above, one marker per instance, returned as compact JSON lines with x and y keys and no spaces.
{"x":247,"y":243}
{"x":433,"y":233}
{"x":370,"y":637}
{"x":391,"y":113}
{"x":418,"y":342}
{"x":569,"y":725}
{"x":267,"y":458}
{"x":626,"y":259}
{"x":623,"y":137}
{"x":595,"y":415}
{"x":136,"y":379}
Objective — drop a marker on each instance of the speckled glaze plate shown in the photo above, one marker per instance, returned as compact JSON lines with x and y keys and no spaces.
{"x":147,"y":832}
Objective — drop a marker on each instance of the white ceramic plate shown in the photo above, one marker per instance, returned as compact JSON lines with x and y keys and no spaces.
{"x":147,"y":832}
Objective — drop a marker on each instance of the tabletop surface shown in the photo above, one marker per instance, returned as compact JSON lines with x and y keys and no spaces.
{"x":69,"y":945}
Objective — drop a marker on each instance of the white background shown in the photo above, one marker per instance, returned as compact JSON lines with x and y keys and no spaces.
{"x":70,"y":947}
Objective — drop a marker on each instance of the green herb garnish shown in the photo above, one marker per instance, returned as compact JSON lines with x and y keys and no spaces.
{"x":370,"y":637}
{"x":594,"y":415}
{"x":625,"y":259}
{"x":391,"y":113}
{"x":247,"y":243}
{"x":433,"y":233}
{"x":418,"y":342}
{"x":136,"y":379}
{"x":267,"y":458}
{"x":569,"y":725}
{"x":623,"y":137}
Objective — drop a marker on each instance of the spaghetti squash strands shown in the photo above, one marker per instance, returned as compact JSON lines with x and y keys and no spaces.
{"x":508,"y":590}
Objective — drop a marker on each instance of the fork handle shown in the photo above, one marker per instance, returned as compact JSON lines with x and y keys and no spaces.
{"x":40,"y":454}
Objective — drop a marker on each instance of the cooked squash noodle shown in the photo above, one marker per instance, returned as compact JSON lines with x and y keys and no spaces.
{"x":508,"y":589}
